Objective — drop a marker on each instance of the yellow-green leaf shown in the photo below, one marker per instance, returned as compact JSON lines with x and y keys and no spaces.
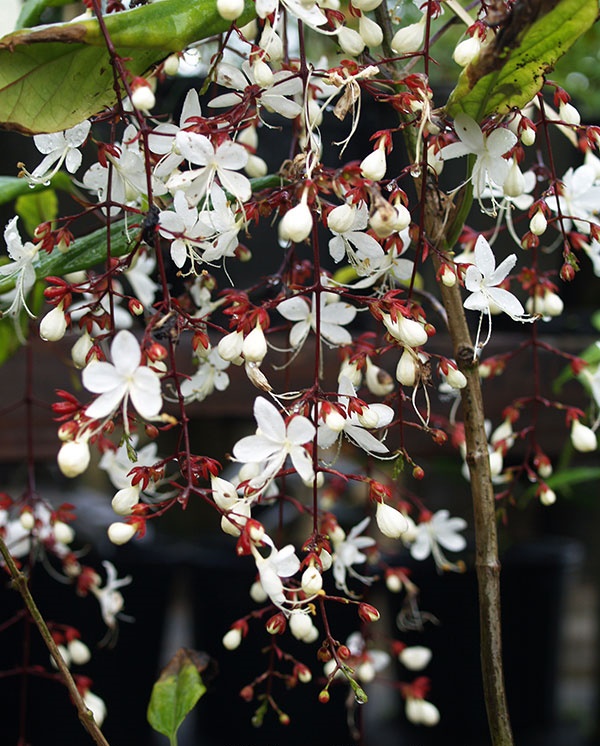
{"x":37,"y":207}
{"x":53,"y":77}
{"x":176,"y":692}
{"x":512,"y":68}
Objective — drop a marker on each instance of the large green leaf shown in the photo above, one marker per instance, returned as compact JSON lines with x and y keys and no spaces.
{"x":12,"y":187}
{"x":512,"y":68}
{"x":176,"y":692}
{"x":53,"y":77}
{"x":32,"y":10}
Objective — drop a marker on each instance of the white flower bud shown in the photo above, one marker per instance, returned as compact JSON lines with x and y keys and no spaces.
{"x":79,"y":652}
{"x":374,"y":166}
{"x":255,"y":167}
{"x":350,"y":41}
{"x":249,"y":137}
{"x":407,"y":369}
{"x":390,"y":521}
{"x":496,"y":463}
{"x":370,"y":31}
{"x":271,"y":43}
{"x":366,"y":6}
{"x":96,"y":706}
{"x":326,"y":560}
{"x":583,"y":438}
{"x":63,"y":533}
{"x":171,"y":65}
{"x":545,"y":469}
{"x":257,"y":593}
{"x":448,"y":276}
{"x":368,"y":417}
{"x":514,"y":184}
{"x":54,"y":325}
{"x":80,"y":349}
{"x":379,"y":382}
{"x":297,"y":223}
{"x":467,"y":51}
{"x":434,"y":160}
{"x":415,"y":658}
{"x":312,"y":581}
{"x":527,"y":136}
{"x":311,"y":635}
{"x":224,"y":493}
{"x":300,"y":625}
{"x":365,"y":672}
{"x":350,"y":371}
{"x":409,"y":332}
{"x":142,"y":98}
{"x":455,"y":378}
{"x":120,"y":533}
{"x":403,"y":218}
{"x":547,"y":496}
{"x":262,"y":72}
{"x":569,"y":114}
{"x":393,"y":583}
{"x":230,"y":346}
{"x":254,"y":347}
{"x":230,"y":9}
{"x":26,"y":519}
{"x":64,"y":654}
{"x":409,"y":39}
{"x":341,"y":218}
{"x":73,"y":458}
{"x":232,"y":639}
{"x":552,"y":304}
{"x":235,"y":518}
{"x":125,"y":500}
{"x":335,"y":421}
{"x":421,"y":712}
{"x":304,"y":675}
{"x":538,"y":223}
{"x":504,"y":432}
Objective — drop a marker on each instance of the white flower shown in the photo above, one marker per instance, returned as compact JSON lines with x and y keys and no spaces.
{"x":273,"y":442}
{"x":579,"y":200}
{"x":273,"y":97}
{"x":117,"y":464}
{"x":20,"y":269}
{"x":222,"y":163}
{"x":347,"y":552}
{"x":122,"y":380}
{"x":182,"y":227}
{"x":334,"y":316}
{"x":162,"y":138}
{"x":282,"y":563}
{"x":209,"y":376}
{"x":415,"y":658}
{"x":490,"y":167}
{"x":439,"y":529}
{"x":110,"y":598}
{"x":351,"y":240}
{"x":139,"y":277}
{"x":372,"y":416}
{"x":481,"y":279}
{"x":59,"y":148}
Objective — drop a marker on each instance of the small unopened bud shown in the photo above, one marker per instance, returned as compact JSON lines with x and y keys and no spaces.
{"x":455,"y":378}
{"x":230,"y":346}
{"x":341,"y":218}
{"x":80,"y":350}
{"x":379,"y":382}
{"x":514,"y":184}
{"x":254,"y":346}
{"x":467,"y":51}
{"x":120,"y":533}
{"x":552,"y":304}
{"x":583,"y":438}
{"x":390,"y":521}
{"x":312,"y":581}
{"x":409,"y":39}
{"x":368,"y":613}
{"x":256,"y":167}
{"x":448,"y":276}
{"x":371,"y":32}
{"x":374,"y":166}
{"x":171,"y":65}
{"x":230,"y":10}
{"x":421,"y":712}
{"x":350,"y":41}
{"x":27,"y":520}
{"x":276,"y":625}
{"x":366,"y":672}
{"x":54,"y":325}
{"x":547,"y":496}
{"x":257,"y":593}
{"x":232,"y":639}
{"x":528,"y":135}
{"x":63,"y":533}
{"x":142,"y":95}
{"x":125,"y":500}
{"x":300,"y":625}
{"x":304,"y":674}
{"x":407,"y":369}
{"x":324,"y":696}
{"x":73,"y":458}
{"x":538,"y":223}
{"x":79,"y":652}
{"x":415,"y":658}
{"x":569,"y":114}
{"x":297,"y":223}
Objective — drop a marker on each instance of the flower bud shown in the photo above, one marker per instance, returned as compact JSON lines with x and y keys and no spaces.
{"x":79,"y":652}
{"x":407,"y":368}
{"x":300,"y":625}
{"x":538,"y":223}
{"x":54,"y":325}
{"x":390,"y":521}
{"x":366,"y":672}
{"x":297,"y":223}
{"x":341,"y":218}
{"x":335,"y":421}
{"x":63,"y":533}
{"x":415,"y":658}
{"x":379,"y":382}
{"x":271,"y":43}
{"x":350,"y":41}
{"x":120,"y":533}
{"x":448,"y":276}
{"x":232,"y":638}
{"x":527,"y":135}
{"x":455,"y":378}
{"x":467,"y":51}
{"x":370,"y":31}
{"x":171,"y":65}
{"x":374,"y":166}
{"x":409,"y":39}
{"x":64,"y":654}
{"x":552,"y":304}
{"x":73,"y":458}
{"x":368,"y":417}
{"x":583,"y":438}
{"x":350,"y":370}
{"x":80,"y":349}
{"x":366,"y":6}
{"x":368,"y":613}
{"x":312,"y":581}
{"x":224,"y":493}
{"x":254,"y":346}
{"x":514,"y":184}
{"x":230,"y":10}
{"x":96,"y":706}
{"x":235,"y":520}
{"x":303,"y":673}
{"x":125,"y":500}
{"x":420,"y":712}
{"x":547,"y":496}
{"x":393,"y":582}
{"x":257,"y":593}
{"x":276,"y":624}
{"x":569,"y":114}
{"x":142,"y":95}
{"x":26,"y":519}
{"x":403,"y":218}
{"x":496,"y":463}
{"x":503,"y":433}
{"x":230,"y":346}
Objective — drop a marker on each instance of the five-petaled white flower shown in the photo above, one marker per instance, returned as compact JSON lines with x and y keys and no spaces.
{"x":162,"y":138}
{"x":579,"y":198}
{"x":282,"y":563}
{"x":21,"y":268}
{"x":59,"y":148}
{"x":209,"y":376}
{"x":353,"y":426}
{"x":183,"y":227}
{"x":273,"y":442}
{"x":110,"y":598}
{"x":334,"y":314}
{"x":117,"y":464}
{"x":490,"y":167}
{"x":438,"y":530}
{"x":347,"y":552}
{"x":360,"y":247}
{"x":122,"y":380}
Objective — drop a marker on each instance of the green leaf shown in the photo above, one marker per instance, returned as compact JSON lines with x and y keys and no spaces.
{"x":176,"y":692}
{"x":36,"y":208}
{"x":591,"y":355}
{"x":32,"y":10}
{"x":12,"y":187}
{"x":512,"y":68}
{"x":53,"y":77}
